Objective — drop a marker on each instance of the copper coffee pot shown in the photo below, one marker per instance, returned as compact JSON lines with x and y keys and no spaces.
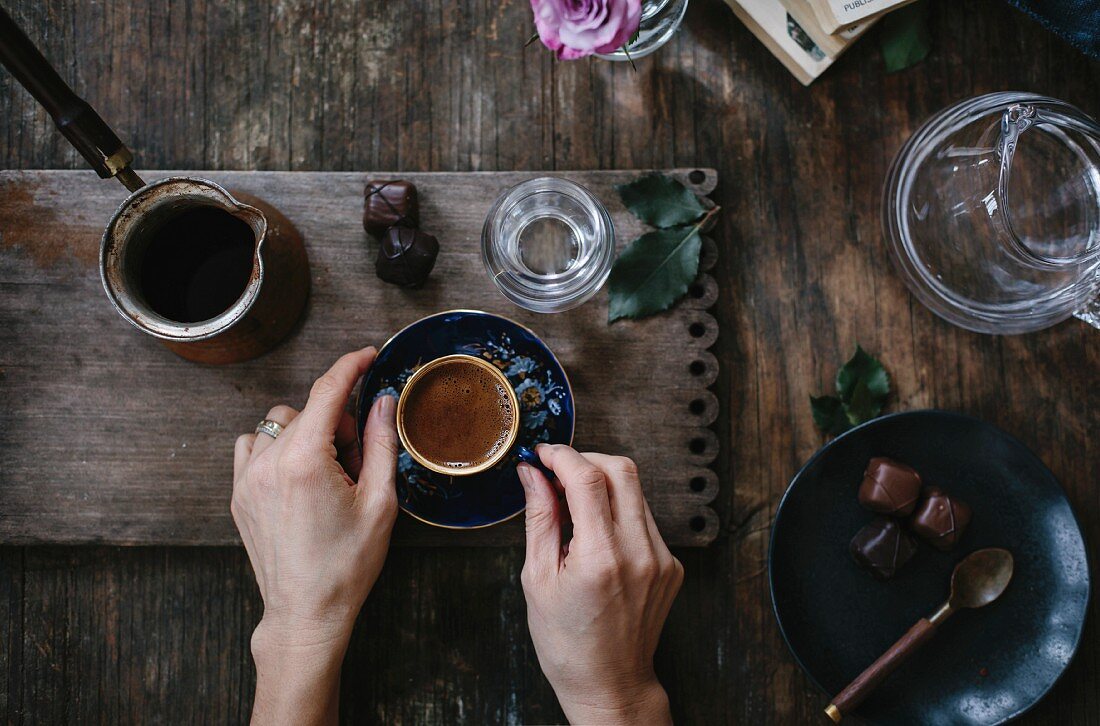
{"x":272,"y":295}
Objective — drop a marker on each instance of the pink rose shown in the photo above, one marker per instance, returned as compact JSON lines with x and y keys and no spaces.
{"x":576,"y":28}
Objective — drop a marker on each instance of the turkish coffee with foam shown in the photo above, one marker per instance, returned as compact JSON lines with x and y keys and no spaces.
{"x":458,"y":415}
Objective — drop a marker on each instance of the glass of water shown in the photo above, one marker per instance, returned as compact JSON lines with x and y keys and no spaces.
{"x":548,"y":244}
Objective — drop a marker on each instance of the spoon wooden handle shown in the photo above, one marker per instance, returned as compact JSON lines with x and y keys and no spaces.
{"x":876,"y":673}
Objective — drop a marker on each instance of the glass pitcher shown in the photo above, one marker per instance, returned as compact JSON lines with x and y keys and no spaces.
{"x":992,"y":213}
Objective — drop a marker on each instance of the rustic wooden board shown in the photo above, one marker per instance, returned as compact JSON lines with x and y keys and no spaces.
{"x":152,"y":461}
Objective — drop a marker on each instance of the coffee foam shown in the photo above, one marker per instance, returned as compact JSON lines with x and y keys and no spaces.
{"x":458,"y":416}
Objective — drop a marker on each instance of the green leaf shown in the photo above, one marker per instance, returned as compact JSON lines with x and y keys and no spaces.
{"x":653,"y":272}
{"x":661,"y":201}
{"x":862,"y":367}
{"x":829,"y":414}
{"x":905,"y":38}
{"x":864,"y":405}
{"x":862,"y":386}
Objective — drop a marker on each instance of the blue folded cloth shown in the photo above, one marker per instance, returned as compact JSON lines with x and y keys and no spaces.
{"x":1078,"y":21}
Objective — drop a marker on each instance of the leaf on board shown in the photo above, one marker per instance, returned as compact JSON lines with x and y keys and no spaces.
{"x":653,"y":272}
{"x":661,"y":201}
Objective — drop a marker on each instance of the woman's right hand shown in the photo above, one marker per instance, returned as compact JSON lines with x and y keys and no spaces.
{"x":596,"y":605}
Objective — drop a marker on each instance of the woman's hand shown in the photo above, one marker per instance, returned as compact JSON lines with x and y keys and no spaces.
{"x":316,"y":537}
{"x":596,"y":605}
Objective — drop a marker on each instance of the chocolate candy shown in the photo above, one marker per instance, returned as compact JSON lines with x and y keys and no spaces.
{"x":882,"y":547}
{"x":889,"y":487}
{"x":940,"y":519}
{"x":406,"y":256}
{"x":388,"y":204}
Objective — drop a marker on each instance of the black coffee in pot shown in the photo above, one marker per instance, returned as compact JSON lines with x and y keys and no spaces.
{"x":197,"y":264}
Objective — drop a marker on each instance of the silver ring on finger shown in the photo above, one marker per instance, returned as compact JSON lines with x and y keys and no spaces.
{"x":269,"y":427}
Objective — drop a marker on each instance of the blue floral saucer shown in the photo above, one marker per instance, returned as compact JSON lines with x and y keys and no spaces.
{"x":545,"y":399}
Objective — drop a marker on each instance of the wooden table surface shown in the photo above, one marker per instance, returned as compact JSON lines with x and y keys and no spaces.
{"x":114,"y":635}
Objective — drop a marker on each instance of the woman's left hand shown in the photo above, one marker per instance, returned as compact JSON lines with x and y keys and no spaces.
{"x":316,"y":537}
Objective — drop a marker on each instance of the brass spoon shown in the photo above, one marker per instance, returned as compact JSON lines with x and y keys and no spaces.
{"x":978,"y":580}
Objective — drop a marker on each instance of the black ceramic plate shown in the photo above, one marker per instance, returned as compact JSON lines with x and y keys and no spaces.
{"x":984,"y":666}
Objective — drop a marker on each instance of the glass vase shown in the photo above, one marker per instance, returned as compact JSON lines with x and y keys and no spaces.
{"x":660,"y":21}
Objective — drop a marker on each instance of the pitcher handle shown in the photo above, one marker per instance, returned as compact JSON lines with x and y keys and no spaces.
{"x":1015,"y":120}
{"x":1090,"y":313}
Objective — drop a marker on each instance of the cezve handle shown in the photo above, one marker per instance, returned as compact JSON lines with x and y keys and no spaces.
{"x":75,"y":118}
{"x":876,"y":673}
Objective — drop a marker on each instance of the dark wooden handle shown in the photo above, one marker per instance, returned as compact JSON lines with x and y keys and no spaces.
{"x":78,"y":121}
{"x":887,"y":663}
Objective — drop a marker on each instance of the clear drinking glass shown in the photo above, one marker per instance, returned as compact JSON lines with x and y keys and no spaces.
{"x":660,"y":20}
{"x":548,"y":244}
{"x":992,"y":213}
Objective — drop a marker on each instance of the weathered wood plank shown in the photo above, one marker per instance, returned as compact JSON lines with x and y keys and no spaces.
{"x":89,"y":649}
{"x":11,"y":631}
{"x":169,"y":483}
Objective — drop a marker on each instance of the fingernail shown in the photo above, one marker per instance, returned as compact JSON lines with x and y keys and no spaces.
{"x":385,"y":406}
{"x":524,"y":472}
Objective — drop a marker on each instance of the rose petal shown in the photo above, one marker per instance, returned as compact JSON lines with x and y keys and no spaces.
{"x":577,"y":28}
{"x":572,"y":53}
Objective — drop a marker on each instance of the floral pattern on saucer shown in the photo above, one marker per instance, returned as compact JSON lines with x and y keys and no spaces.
{"x":546,"y":406}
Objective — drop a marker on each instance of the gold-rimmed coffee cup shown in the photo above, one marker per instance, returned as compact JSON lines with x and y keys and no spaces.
{"x":490,"y":459}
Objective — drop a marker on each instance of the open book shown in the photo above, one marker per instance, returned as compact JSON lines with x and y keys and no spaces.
{"x":788,"y":41}
{"x":836,"y":15}
{"x":833,"y":44}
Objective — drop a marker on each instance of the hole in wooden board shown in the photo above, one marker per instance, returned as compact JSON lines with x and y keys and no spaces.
{"x":697,"y":368}
{"x":698,"y":524}
{"x":697,"y":177}
{"x":697,"y":445}
{"x":697,"y":290}
{"x":697,"y":330}
{"x":698,"y":483}
{"x":697,"y":406}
